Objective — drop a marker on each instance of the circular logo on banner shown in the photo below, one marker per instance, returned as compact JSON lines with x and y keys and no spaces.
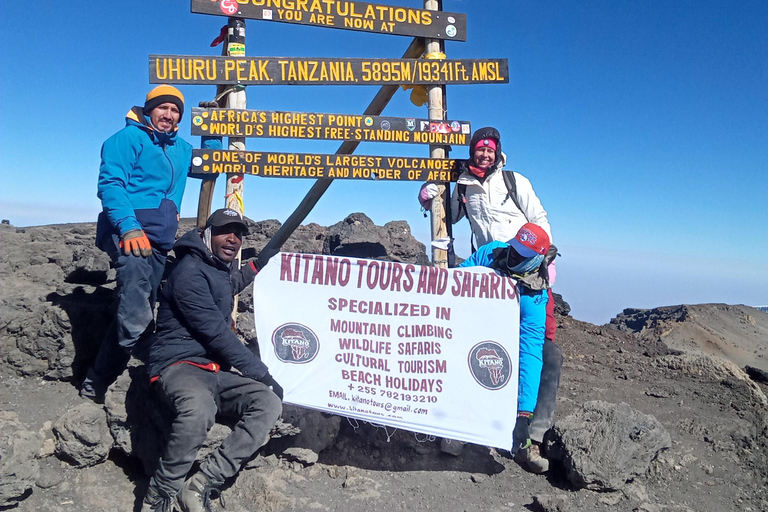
{"x":228,"y":6}
{"x":197,"y":161}
{"x":295,"y":343}
{"x":490,"y":365}
{"x":385,"y":125}
{"x":368,"y":121}
{"x":451,"y":19}
{"x":197,"y":120}
{"x":450,"y":31}
{"x":455,"y":126}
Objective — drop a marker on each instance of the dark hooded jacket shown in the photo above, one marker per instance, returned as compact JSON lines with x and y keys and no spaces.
{"x":194,"y":316}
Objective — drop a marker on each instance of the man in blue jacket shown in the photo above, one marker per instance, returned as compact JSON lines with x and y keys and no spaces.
{"x":141,"y":182}
{"x":521,"y":258}
{"x":190,"y":358}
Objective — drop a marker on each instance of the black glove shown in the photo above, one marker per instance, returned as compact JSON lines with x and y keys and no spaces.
{"x":521,"y":436}
{"x":270,"y":381}
{"x":208,"y":104}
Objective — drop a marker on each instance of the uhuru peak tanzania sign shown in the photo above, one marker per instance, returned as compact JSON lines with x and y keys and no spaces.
{"x":186,"y":69}
{"x":319,"y":126}
{"x":383,"y":19}
{"x":310,"y":165}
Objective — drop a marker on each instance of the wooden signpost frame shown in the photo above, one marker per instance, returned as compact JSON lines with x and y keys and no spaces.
{"x":240,"y":71}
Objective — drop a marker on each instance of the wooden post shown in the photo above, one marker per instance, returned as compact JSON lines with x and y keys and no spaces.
{"x":235,"y":45}
{"x":375,"y":108}
{"x":436,"y":111}
{"x":235,"y":99}
{"x":207,"y":186}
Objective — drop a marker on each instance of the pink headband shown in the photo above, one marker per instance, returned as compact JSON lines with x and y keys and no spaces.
{"x":486,"y":142}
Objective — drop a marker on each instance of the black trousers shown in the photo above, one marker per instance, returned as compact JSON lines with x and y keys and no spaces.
{"x":544,"y":414}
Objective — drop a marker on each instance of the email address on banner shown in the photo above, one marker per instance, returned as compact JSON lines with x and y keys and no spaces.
{"x":365,"y":405}
{"x":369,"y":406}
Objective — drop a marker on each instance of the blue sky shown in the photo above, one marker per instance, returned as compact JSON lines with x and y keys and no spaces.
{"x":643,"y":127}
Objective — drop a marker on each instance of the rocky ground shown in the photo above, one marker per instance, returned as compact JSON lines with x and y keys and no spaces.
{"x":648,"y":419}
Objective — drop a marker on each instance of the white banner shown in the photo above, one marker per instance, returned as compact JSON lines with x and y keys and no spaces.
{"x":425,"y":349}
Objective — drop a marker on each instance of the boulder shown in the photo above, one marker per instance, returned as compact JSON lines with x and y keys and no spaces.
{"x":604,"y":445}
{"x":43,"y":322}
{"x":82,"y":435}
{"x":357,"y":236}
{"x":138,"y":420}
{"x":314,"y":432}
{"x":562,"y":308}
{"x":551,"y":503}
{"x":715,"y":369}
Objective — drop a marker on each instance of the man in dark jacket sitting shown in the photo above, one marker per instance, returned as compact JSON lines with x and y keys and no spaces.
{"x":189,"y":363}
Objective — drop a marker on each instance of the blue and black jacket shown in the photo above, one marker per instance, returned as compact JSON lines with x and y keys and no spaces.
{"x":141,"y":182}
{"x":194,"y":315}
{"x":533,"y":318}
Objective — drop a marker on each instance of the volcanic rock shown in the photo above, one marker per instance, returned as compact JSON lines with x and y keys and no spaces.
{"x":604,"y":445}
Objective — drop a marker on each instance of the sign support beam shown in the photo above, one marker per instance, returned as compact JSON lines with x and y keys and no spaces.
{"x":235,"y":99}
{"x":376,"y":107}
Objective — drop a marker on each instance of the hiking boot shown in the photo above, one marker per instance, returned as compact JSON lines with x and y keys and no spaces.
{"x":154,"y":501}
{"x":531,"y":460}
{"x":451,"y":446}
{"x":196,"y":494}
{"x":92,"y":392}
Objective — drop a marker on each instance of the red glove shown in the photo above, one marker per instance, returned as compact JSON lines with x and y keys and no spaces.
{"x":136,"y":242}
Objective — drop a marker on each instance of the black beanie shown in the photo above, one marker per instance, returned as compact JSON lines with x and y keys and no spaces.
{"x":164,"y":94}
{"x":489,"y":132}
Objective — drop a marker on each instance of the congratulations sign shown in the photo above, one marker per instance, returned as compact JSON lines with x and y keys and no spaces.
{"x":344,"y":14}
{"x":426,"y":349}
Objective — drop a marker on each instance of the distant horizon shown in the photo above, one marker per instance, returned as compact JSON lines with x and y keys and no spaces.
{"x":565,"y":298}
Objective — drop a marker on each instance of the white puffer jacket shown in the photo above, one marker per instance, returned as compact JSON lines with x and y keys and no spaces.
{"x":491,"y":213}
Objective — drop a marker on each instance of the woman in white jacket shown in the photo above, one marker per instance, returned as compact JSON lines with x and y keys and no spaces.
{"x":481,"y":194}
{"x":497,"y":206}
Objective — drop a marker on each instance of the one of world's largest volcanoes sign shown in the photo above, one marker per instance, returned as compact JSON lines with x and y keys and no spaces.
{"x":316,"y":166}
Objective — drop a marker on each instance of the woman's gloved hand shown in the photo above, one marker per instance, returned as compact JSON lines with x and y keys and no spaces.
{"x":427,"y":193}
